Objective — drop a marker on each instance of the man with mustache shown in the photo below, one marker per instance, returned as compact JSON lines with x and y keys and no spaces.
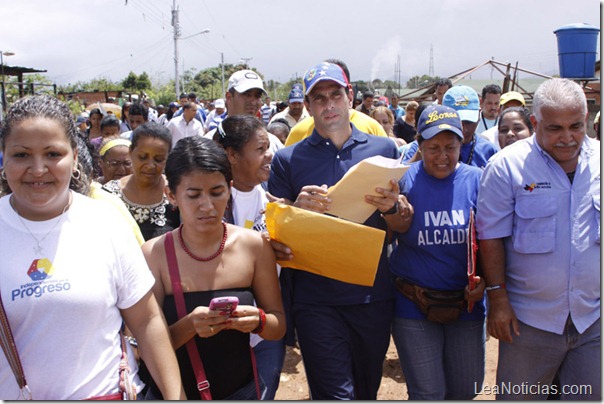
{"x":538,"y":221}
{"x":489,"y":107}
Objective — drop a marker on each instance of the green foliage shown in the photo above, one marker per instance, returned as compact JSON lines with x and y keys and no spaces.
{"x":418,"y":82}
{"x":143,"y":82}
{"x":96,"y":84}
{"x":162,"y":94}
{"x":129,"y":83}
{"x":135,"y":83}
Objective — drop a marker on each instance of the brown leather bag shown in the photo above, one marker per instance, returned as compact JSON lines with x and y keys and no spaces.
{"x":439,"y":306}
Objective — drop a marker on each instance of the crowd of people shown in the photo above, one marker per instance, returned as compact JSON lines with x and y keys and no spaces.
{"x":118,"y":235}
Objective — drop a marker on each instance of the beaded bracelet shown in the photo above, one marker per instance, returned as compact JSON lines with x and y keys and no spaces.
{"x":261,"y":323}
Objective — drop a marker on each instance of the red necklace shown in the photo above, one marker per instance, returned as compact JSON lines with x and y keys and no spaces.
{"x":204,"y":259}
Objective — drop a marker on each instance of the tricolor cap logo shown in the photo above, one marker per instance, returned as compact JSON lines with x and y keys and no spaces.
{"x":436,"y":119}
{"x":324,"y":71}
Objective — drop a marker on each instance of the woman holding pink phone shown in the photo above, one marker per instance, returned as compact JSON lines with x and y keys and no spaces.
{"x":208,"y":259}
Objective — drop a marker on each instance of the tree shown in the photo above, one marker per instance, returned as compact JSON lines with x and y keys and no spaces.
{"x":143,"y":82}
{"x":377,"y":83}
{"x":129,"y":83}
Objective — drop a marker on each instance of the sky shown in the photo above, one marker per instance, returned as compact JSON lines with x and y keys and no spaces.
{"x":76,"y":40}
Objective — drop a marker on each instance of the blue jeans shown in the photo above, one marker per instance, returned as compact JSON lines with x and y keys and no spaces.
{"x":441,"y":361}
{"x":269,"y":362}
{"x":528,"y":365}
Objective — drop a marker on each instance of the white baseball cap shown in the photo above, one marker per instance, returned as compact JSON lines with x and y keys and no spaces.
{"x":244,"y":80}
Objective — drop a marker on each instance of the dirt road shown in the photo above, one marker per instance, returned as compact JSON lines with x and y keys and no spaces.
{"x":293,"y":384}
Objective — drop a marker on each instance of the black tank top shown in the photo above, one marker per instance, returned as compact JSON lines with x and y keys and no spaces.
{"x":225,"y":356}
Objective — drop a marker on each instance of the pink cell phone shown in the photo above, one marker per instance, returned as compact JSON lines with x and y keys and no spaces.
{"x":224,"y":304}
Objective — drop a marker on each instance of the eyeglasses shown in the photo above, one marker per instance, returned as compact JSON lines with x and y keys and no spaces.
{"x":117,"y":163}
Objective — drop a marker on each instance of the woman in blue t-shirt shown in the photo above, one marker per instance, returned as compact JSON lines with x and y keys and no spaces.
{"x":441,"y":345}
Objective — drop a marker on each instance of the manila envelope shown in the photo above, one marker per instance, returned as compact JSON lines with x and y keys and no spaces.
{"x":326,"y":245}
{"x":348,"y":195}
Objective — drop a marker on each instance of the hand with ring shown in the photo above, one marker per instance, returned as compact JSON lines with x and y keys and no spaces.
{"x":206,"y":322}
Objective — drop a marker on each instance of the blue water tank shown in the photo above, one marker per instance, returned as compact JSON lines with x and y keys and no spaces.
{"x":577,"y":46}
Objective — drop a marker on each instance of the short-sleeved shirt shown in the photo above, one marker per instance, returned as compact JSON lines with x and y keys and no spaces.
{"x":551,"y":232}
{"x":433,"y":252}
{"x":64,"y":303}
{"x":316,"y":161}
{"x":180,"y":128}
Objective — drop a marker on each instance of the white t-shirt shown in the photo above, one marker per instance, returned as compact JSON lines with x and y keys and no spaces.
{"x":492,"y":135}
{"x":248,"y":208}
{"x":485,"y":124}
{"x":63,"y":305}
{"x":248,"y":212}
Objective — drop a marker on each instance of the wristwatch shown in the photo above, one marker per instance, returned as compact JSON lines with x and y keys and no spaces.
{"x":392,"y":210}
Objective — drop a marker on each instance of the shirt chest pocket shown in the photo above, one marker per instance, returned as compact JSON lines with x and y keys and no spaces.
{"x":535,"y":231}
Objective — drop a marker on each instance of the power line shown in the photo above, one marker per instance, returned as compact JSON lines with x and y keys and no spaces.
{"x":116,"y":63}
{"x":148,"y":14}
{"x":218,"y":25}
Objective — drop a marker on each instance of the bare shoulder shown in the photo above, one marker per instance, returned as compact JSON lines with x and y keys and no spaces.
{"x":154,"y":250}
{"x":246,"y":238}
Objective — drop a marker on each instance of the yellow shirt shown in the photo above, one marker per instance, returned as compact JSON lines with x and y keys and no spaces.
{"x":363,"y":122}
{"x":97,"y":193}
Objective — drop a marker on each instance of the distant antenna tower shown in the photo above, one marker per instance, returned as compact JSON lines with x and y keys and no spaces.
{"x":431,"y":69}
{"x":397,"y":71}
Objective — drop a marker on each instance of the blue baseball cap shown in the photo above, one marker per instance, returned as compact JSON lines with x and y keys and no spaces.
{"x":465,"y":101}
{"x":324,"y":71}
{"x":296,"y":96}
{"x":438,"y":118}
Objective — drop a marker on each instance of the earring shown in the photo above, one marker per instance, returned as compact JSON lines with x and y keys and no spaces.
{"x":76,"y":174}
{"x":3,"y":175}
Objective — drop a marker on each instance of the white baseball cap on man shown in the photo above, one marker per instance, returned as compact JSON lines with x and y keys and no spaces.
{"x":244,"y":80}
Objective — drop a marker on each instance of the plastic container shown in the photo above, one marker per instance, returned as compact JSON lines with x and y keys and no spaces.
{"x":577,"y":47}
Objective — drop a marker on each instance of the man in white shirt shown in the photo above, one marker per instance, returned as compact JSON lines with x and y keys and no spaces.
{"x":489,"y":107}
{"x":295,"y":112}
{"x":185,"y":125}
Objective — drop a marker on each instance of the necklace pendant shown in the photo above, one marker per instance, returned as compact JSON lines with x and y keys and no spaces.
{"x":38,"y":249}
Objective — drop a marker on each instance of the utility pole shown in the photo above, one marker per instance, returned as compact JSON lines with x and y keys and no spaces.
{"x":176,"y":26}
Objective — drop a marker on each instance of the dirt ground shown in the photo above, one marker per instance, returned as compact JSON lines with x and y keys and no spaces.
{"x":293,"y":384}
